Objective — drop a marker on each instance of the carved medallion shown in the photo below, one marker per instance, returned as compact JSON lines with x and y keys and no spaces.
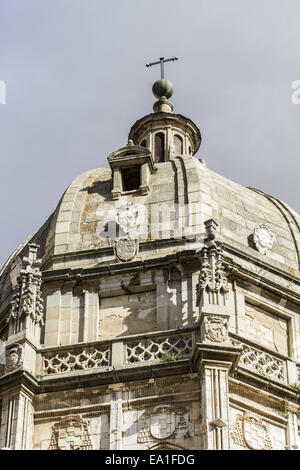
{"x":71,"y":433}
{"x":263,"y":238}
{"x":249,"y":431}
{"x":126,"y":248}
{"x":216,"y":328}
{"x":14,"y":357}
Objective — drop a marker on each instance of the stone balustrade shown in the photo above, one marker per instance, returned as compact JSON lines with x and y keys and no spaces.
{"x":158,"y":347}
{"x":165,"y":348}
{"x":117,"y":353}
{"x":71,"y":359}
{"x":261,"y":361}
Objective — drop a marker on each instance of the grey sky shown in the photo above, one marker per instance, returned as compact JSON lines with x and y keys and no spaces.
{"x":76,"y":81}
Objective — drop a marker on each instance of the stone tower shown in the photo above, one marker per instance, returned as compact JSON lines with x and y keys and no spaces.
{"x":157,"y":308}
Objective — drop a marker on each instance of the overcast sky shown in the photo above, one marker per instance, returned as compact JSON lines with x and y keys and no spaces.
{"x":76,"y":81}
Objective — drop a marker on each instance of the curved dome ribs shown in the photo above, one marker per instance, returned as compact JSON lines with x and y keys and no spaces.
{"x":277,"y":203}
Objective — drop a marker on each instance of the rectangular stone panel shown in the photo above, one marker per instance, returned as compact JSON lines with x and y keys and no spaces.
{"x":127,"y":314}
{"x":266,"y":329}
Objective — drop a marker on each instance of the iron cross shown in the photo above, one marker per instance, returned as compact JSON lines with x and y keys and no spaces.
{"x":161,"y":61}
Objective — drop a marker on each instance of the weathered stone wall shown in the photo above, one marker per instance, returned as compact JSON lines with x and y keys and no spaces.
{"x":127,"y":314}
{"x":266,"y":329}
{"x":141,"y":416}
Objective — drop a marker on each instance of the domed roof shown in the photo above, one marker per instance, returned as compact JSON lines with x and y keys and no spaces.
{"x":75,"y":235}
{"x":82,"y":212}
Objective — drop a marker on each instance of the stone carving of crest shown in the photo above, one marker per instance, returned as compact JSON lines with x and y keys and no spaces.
{"x":250,"y":432}
{"x":126,"y":248}
{"x":14,"y":357}
{"x":216,"y":328}
{"x":263,"y":238}
{"x":164,"y":422}
{"x":71,"y":433}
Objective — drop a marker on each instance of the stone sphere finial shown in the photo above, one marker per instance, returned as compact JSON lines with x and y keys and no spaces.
{"x":162,"y":88}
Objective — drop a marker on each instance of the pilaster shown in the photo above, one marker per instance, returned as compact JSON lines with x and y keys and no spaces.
{"x":215,"y":356}
{"x":16,"y":430}
{"x":25,"y":320}
{"x":116,"y":417}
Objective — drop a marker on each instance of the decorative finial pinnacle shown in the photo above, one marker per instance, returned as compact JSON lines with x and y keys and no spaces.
{"x":162,"y":89}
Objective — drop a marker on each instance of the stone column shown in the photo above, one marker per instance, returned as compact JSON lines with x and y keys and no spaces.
{"x":118,"y":187}
{"x":16,"y":430}
{"x":145,"y":176}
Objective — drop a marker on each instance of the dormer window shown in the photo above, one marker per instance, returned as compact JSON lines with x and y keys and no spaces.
{"x":131,"y":166}
{"x":131,"y":178}
{"x":178,"y":144}
{"x":159,"y":147}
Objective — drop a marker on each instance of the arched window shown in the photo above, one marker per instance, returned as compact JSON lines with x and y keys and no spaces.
{"x":144,"y":143}
{"x":178,"y":144}
{"x":159,"y":147}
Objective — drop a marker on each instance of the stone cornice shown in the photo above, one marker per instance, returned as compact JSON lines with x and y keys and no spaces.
{"x":185,"y":255}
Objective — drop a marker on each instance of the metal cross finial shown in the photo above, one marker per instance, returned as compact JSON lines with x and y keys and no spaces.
{"x":161,"y":61}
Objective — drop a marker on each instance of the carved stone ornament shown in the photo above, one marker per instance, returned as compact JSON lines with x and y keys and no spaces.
{"x":250,"y":432}
{"x":126,"y":249}
{"x":27,"y":300}
{"x":212,"y":278}
{"x":263,"y":238}
{"x":164,"y":422}
{"x":14,"y":357}
{"x":216,"y":328}
{"x":127,"y":218}
{"x":71,"y":433}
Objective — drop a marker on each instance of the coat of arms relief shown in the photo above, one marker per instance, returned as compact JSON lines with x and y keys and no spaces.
{"x":263,"y":238}
{"x":250,"y":432}
{"x":126,"y":245}
{"x":14,"y":357}
{"x":71,"y":433}
{"x":163,"y":423}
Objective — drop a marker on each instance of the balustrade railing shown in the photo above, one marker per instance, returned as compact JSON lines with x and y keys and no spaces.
{"x":262,"y":362}
{"x":76,"y":358}
{"x":166,"y":348}
{"x":153,"y":348}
